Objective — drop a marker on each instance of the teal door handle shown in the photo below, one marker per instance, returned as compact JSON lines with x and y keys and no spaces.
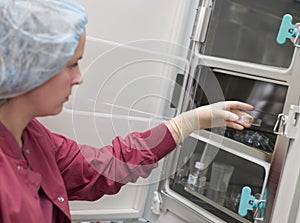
{"x":286,"y":30}
{"x":249,"y":203}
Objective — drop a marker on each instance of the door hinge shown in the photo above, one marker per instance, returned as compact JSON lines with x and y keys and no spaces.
{"x":202,"y":21}
{"x":288,"y":125}
{"x":156,"y":203}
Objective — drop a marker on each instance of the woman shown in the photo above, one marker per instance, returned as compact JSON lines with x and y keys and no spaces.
{"x":41,"y":44}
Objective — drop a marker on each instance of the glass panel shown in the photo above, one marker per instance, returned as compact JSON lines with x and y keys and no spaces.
{"x":221,"y":181}
{"x":268,"y":98}
{"x":114,"y":221}
{"x":247,"y":30}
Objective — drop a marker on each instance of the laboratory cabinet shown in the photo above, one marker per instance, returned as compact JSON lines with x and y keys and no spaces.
{"x":147,"y":61}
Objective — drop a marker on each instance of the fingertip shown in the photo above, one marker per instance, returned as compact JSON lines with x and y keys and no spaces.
{"x":239,"y":127}
{"x":245,"y":106}
{"x":251,"y":107}
{"x":248,"y":125}
{"x":236,"y":126}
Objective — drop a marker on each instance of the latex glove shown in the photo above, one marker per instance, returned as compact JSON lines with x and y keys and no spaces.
{"x":226,"y":113}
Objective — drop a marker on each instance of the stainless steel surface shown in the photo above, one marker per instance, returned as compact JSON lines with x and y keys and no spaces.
{"x":282,"y":145}
{"x":257,"y":156}
{"x":286,"y":207}
{"x":241,"y":40}
{"x":202,"y":19}
{"x":188,"y":211}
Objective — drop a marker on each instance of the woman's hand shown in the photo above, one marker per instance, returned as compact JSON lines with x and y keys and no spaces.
{"x":229,"y":113}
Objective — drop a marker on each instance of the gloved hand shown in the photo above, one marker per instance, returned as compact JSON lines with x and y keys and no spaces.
{"x":226,"y":113}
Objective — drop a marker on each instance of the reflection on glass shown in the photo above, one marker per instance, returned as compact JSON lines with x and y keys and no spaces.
{"x":225,"y":177}
{"x":247,"y":30}
{"x":268,"y":99}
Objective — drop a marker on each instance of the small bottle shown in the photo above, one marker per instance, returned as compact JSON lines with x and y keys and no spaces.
{"x":197,"y":179}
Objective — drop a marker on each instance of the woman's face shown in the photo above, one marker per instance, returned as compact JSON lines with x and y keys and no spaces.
{"x":48,"y":99}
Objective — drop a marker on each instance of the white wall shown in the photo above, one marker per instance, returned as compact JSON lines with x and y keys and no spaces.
{"x":120,"y":32}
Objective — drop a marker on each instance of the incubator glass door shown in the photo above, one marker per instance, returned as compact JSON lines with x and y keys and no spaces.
{"x":218,"y":188}
{"x":246,"y":31}
{"x":267,"y":96}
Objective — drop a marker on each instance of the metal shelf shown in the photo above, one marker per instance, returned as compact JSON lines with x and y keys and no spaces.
{"x":234,"y":147}
{"x":216,"y":205}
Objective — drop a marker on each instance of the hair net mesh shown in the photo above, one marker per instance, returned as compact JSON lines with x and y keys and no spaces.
{"x":37,"y":39}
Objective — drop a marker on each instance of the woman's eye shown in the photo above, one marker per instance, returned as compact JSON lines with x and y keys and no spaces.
{"x":74,"y":65}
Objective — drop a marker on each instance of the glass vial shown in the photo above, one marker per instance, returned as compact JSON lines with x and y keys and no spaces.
{"x":197,"y":178}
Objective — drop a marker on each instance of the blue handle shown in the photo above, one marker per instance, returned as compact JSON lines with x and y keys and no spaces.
{"x":247,"y":202}
{"x":286,"y":30}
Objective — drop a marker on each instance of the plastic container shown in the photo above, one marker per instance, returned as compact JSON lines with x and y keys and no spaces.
{"x":220,"y":176}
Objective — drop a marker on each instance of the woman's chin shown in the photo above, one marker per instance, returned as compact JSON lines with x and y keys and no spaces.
{"x":55,"y":112}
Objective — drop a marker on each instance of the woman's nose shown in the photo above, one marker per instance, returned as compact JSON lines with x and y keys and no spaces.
{"x":78,"y":78}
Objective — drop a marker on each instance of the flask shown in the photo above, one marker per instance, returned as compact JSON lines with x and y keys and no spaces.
{"x":197,"y":178}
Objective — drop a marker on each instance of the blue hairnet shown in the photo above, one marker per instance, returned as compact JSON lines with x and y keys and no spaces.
{"x":37,"y":39}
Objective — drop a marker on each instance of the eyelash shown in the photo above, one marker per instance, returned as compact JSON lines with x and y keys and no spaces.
{"x":74,"y":65}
